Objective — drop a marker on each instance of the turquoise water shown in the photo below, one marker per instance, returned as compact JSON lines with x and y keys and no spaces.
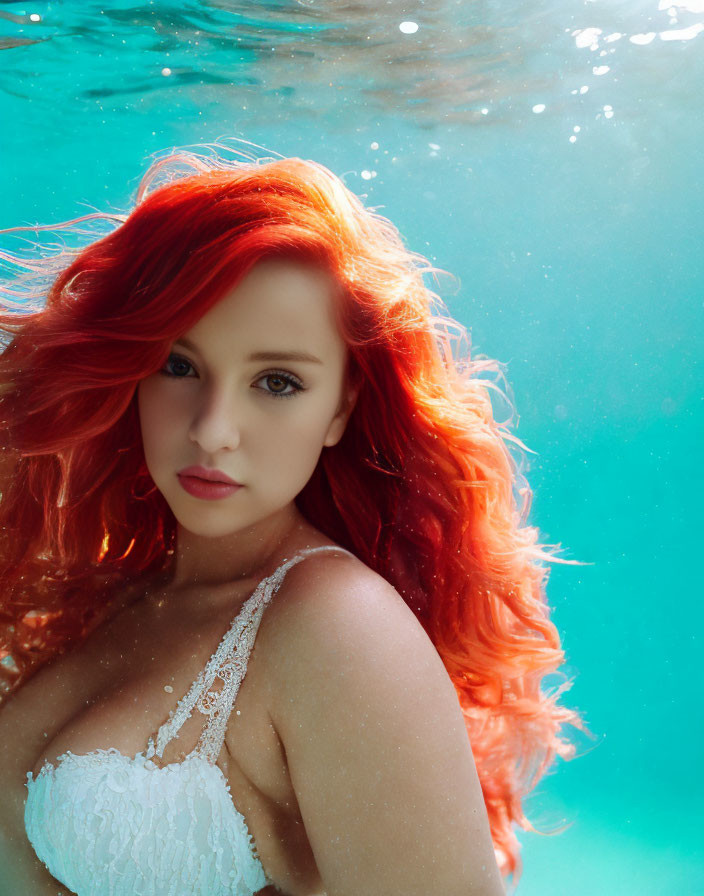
{"x":575,"y":234}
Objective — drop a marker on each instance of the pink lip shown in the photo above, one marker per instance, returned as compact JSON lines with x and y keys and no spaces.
{"x":209,"y":491}
{"x":208,"y":474}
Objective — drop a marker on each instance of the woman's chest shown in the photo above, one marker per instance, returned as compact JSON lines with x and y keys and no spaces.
{"x":140,"y":672}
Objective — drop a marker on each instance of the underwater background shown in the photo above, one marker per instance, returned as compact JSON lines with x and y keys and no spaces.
{"x":547,"y":154}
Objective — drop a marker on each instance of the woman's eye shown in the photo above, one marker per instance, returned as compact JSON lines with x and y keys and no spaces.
{"x":174,"y":364}
{"x":278,"y":382}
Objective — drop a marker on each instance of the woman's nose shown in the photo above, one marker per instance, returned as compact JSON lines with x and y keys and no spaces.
{"x":216,"y":423}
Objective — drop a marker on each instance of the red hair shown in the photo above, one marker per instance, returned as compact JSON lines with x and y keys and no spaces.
{"x":421,"y":487}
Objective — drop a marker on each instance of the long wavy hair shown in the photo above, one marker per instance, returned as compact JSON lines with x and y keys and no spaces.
{"x":422,"y":487}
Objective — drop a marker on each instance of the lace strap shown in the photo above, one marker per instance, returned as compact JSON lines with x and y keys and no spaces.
{"x":229,"y":664}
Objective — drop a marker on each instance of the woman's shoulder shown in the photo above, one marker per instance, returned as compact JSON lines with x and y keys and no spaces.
{"x":326,"y":586}
{"x":331,"y":609}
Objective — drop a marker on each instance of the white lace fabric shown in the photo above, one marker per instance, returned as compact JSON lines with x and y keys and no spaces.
{"x":105,"y":824}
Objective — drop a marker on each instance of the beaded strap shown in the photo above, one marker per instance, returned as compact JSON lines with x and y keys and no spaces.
{"x":229,"y":665}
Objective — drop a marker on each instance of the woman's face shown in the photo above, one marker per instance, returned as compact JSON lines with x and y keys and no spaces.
{"x":228,"y":399}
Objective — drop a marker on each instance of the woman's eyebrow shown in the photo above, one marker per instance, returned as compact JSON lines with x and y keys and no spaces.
{"x":284,"y":356}
{"x":263,"y":356}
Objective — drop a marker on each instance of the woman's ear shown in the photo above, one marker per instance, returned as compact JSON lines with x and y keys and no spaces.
{"x":339,"y":421}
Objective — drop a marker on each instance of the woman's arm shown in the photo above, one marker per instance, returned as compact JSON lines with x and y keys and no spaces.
{"x":376,"y":743}
{"x":22,"y":873}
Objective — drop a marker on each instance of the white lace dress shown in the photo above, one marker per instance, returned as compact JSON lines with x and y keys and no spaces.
{"x":105,"y":824}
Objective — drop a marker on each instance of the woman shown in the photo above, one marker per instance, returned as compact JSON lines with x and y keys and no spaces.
{"x":242,"y":400}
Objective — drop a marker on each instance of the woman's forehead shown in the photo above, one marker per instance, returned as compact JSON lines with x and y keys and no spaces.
{"x":278,"y":307}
